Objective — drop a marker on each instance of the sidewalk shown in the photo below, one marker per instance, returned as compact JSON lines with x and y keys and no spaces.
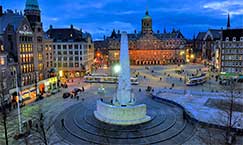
{"x":195,"y":105}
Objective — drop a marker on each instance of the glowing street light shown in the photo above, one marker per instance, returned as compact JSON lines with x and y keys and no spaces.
{"x":192,"y":56}
{"x":117,"y":68}
{"x":61,"y":73}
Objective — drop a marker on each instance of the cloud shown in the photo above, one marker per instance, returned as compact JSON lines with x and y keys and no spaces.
{"x":50,"y":19}
{"x":234,"y":7}
{"x":98,"y":30}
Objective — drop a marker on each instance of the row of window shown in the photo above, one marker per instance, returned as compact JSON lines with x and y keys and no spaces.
{"x":26,"y":68}
{"x":68,"y":64}
{"x":233,"y":45}
{"x":232,"y":63}
{"x":25,"y":39}
{"x":25,"y":48}
{"x":27,"y":58}
{"x":70,"y":52}
{"x":232,"y":51}
{"x":68,"y":58}
{"x":234,"y":39}
{"x":48,"y":48}
{"x":232,"y":70}
{"x":70,"y":46}
{"x":232,"y":57}
{"x":27,"y":80}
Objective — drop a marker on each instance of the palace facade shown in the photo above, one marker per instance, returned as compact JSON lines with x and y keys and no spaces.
{"x":147,"y":47}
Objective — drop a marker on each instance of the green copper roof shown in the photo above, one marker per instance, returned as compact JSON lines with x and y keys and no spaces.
{"x":147,"y":15}
{"x":32,"y":5}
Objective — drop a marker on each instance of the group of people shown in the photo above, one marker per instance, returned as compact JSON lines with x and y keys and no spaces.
{"x":77,"y":94}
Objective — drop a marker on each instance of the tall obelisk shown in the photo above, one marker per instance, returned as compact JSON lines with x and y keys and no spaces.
{"x":122,"y":110}
{"x":124,"y":83}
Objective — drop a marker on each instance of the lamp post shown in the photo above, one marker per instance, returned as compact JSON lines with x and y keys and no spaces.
{"x":36,"y":83}
{"x":116,"y":69}
{"x":19,"y":98}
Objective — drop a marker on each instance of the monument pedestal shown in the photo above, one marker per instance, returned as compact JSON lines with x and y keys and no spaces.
{"x":117,"y":115}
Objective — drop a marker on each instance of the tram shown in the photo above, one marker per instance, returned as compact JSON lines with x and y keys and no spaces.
{"x":197,"y":80}
{"x":106,"y":79}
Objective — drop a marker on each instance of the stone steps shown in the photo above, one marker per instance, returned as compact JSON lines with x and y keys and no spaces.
{"x":166,"y":127}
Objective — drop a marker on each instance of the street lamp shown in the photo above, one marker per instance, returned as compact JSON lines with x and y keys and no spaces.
{"x":117,"y":69}
{"x":18,"y":99}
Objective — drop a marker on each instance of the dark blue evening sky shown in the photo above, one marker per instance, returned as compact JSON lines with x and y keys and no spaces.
{"x":99,"y":17}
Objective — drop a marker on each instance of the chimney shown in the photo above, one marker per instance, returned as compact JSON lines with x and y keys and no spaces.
{"x":104,"y":37}
{"x":118,"y":31}
{"x":50,"y":27}
{"x":1,"y":10}
{"x":135,"y":31}
{"x":71,"y":26}
{"x":158,"y":31}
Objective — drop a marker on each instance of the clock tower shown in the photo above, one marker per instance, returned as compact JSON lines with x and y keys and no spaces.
{"x":33,"y":14}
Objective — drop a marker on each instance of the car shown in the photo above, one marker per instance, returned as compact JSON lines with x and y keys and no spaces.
{"x":66,"y":95}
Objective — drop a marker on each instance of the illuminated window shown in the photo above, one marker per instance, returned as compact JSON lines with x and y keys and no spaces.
{"x":2,"y":61}
{"x":40,"y":56}
{"x":2,"y":48}
{"x":227,"y":38}
{"x":23,"y":59}
{"x":40,"y":66}
{"x":24,"y":68}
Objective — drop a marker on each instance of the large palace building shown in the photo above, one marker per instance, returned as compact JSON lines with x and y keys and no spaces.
{"x":148,"y":47}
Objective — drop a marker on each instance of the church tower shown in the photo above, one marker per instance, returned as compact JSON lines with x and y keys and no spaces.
{"x":33,"y":14}
{"x":228,"y":22}
{"x":147,"y":24}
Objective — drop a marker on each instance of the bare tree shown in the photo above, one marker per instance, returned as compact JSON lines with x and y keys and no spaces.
{"x":210,"y":136}
{"x":232,"y":91}
{"x":4,"y":92}
{"x":41,"y":128}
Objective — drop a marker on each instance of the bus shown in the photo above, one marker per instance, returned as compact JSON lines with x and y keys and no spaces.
{"x":197,"y":80}
{"x":106,"y":79}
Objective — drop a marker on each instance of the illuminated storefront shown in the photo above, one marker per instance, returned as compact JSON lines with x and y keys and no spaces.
{"x":47,"y":85}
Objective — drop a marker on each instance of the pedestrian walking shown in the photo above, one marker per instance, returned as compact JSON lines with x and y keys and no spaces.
{"x":41,"y":116}
{"x":82,"y":88}
{"x":77,"y":97}
{"x":62,"y":121}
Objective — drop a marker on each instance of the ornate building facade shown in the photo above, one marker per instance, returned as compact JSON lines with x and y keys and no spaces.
{"x":147,"y":47}
{"x":23,"y":40}
{"x":73,"y":51}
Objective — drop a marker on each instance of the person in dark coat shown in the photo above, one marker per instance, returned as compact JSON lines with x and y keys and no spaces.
{"x":82,"y":88}
{"x":62,"y":121}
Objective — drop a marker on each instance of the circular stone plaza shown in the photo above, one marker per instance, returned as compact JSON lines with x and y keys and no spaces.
{"x":167,"y":126}
{"x":175,"y":113}
{"x":172,"y":117}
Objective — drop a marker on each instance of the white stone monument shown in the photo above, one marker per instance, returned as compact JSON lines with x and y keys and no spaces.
{"x":122,"y":111}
